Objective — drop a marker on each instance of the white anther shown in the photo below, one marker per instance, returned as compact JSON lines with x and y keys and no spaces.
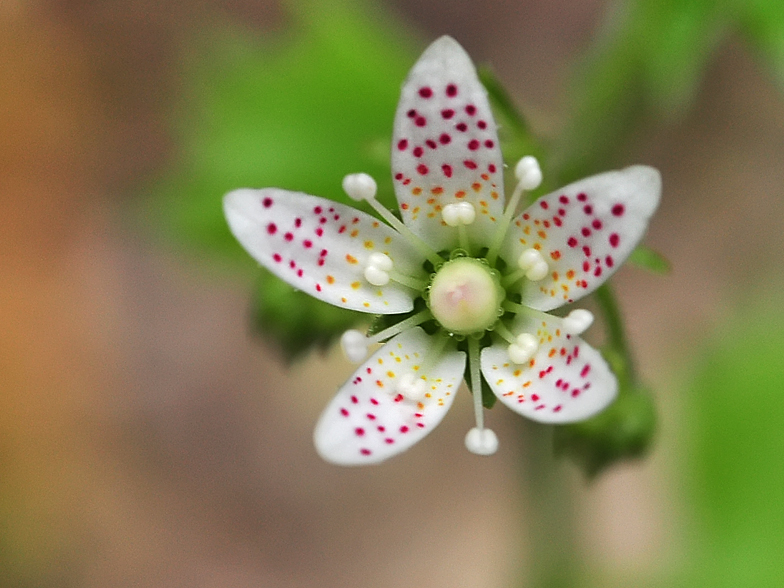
{"x":359,"y":186}
{"x":524,"y":348}
{"x":458,"y":213}
{"x":577,"y":321}
{"x":376,"y":276}
{"x":380,"y":261}
{"x":354,"y":345}
{"x":467,"y":212}
{"x":534,"y":264}
{"x":528,"y":173}
{"x":481,"y":441}
{"x":538,"y":271}
{"x":412,"y":387}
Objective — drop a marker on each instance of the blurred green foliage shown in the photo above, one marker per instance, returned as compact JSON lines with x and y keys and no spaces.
{"x":647,"y":64}
{"x":297,"y":109}
{"x":733,"y":439}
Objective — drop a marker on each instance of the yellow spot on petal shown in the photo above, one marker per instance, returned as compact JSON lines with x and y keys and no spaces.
{"x":351,"y":259}
{"x":355,"y":232}
{"x":355,"y":285}
{"x":369,"y":245}
{"x":366,"y":304}
{"x":391,"y":374}
{"x":416,"y":191}
{"x":330,"y":280}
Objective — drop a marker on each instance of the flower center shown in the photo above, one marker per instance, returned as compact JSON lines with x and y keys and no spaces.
{"x":465,"y":296}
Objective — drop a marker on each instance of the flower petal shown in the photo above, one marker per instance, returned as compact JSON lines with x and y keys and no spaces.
{"x":445,"y":146}
{"x":369,"y":421}
{"x":584,"y":231}
{"x":566,"y":381}
{"x":321,"y":247}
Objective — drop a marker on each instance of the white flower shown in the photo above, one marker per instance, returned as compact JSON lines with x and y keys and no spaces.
{"x":465,"y":276}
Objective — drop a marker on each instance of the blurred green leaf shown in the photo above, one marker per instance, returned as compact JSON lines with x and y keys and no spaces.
{"x":735,"y":444}
{"x":646,"y":258}
{"x":297,"y":110}
{"x":296,"y":322}
{"x":623,"y":431}
{"x":763,"y":27}
{"x":648,"y":63}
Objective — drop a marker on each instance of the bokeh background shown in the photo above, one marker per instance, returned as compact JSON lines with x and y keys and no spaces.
{"x":149,"y":436}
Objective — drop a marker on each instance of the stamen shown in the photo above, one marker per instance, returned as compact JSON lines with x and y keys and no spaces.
{"x":412,"y":387}
{"x":528,"y":173}
{"x":460,"y":214}
{"x":359,"y":187}
{"x":479,"y":440}
{"x":413,"y":283}
{"x":529,"y":176}
{"x":377,"y":270}
{"x":533,"y":263}
{"x":354,"y":345}
{"x":381,"y":260}
{"x":524,"y":348}
{"x":503,"y":332}
{"x":412,"y":321}
{"x":375,"y":276}
{"x":380,"y":270}
{"x":363,"y":187}
{"x":476,"y":381}
{"x":577,"y":321}
{"x":515,"y":307}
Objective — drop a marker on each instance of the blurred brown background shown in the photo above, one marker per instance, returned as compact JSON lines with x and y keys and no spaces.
{"x":147,"y":440}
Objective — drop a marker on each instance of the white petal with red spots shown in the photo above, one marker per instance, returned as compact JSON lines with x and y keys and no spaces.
{"x":369,"y":421}
{"x":566,"y":381}
{"x":321,"y":247}
{"x":584,"y":231}
{"x":445,"y":146}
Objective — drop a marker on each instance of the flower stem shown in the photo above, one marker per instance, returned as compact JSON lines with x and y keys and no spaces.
{"x":616,"y":336}
{"x":553,"y":558}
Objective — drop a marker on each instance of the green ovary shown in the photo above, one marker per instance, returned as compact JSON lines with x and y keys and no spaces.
{"x":465,"y":296}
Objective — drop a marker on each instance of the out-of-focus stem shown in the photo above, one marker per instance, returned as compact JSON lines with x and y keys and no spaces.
{"x":616,"y":335}
{"x":553,"y":560}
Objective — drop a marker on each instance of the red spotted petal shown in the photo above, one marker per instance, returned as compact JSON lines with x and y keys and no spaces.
{"x":369,"y":421}
{"x":566,"y":381}
{"x":321,"y":247}
{"x":585,"y":231}
{"x":445,"y":146}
